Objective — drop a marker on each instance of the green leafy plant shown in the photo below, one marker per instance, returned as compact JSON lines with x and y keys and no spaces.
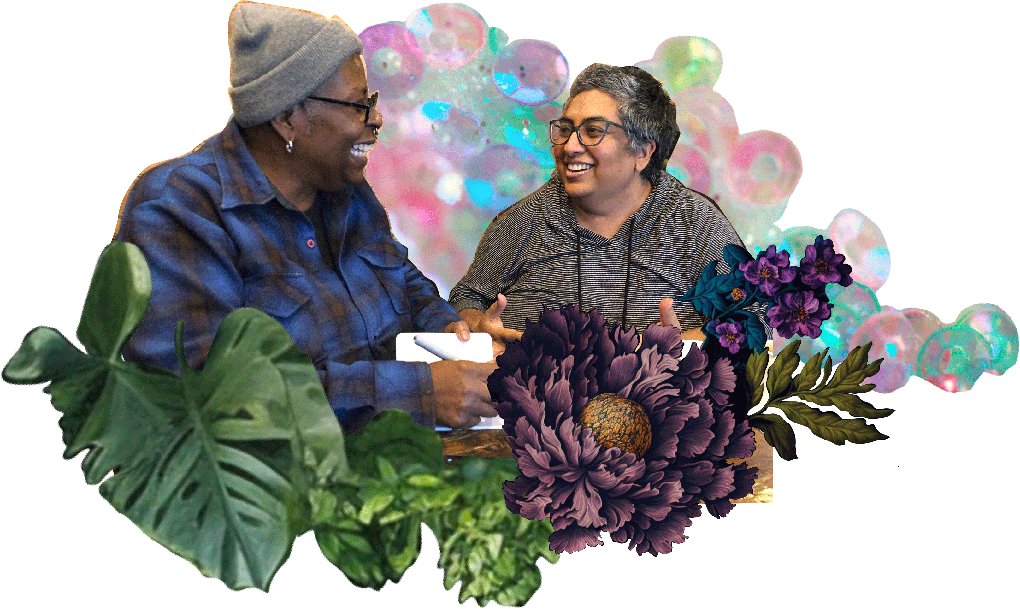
{"x":228,"y":465}
{"x":214,"y":465}
{"x":491,"y":551}
{"x":818,"y":384}
{"x":370,"y":523}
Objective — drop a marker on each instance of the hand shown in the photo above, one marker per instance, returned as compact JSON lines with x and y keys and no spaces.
{"x":461,"y":393}
{"x":461,"y":329}
{"x":490,"y":323}
{"x":667,"y":317}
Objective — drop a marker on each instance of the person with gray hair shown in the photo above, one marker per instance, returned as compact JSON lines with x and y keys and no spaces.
{"x":611,"y":229}
{"x":274,"y":213}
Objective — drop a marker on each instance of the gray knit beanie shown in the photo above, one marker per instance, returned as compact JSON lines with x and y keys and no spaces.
{"x":279,"y":56}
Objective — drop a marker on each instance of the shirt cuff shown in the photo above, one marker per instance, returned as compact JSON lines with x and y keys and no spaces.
{"x":406,"y":386}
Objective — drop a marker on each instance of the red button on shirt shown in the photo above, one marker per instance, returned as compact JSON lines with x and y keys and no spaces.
{"x":311,"y":243}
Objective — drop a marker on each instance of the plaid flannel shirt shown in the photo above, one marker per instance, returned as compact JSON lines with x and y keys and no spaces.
{"x":216,"y":238}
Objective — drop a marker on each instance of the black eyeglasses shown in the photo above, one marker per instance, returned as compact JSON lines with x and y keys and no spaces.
{"x":373,"y":99}
{"x":590,"y":132}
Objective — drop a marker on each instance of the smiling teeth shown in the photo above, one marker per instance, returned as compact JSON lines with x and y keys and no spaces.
{"x":579,"y":166}
{"x":361,"y":149}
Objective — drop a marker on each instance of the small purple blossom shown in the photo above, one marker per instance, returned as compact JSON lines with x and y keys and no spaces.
{"x":770,"y":270}
{"x":731,"y":334}
{"x":821,"y":265}
{"x":546,"y":379}
{"x":798,"y":313}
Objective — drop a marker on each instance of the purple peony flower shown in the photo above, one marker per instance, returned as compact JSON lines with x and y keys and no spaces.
{"x":770,"y":270}
{"x":821,"y":265}
{"x":798,"y":313}
{"x":731,"y":334}
{"x":636,"y":461}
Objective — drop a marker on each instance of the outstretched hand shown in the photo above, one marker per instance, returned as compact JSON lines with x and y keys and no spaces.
{"x":461,"y":329}
{"x":667,"y":317}
{"x":490,"y":323}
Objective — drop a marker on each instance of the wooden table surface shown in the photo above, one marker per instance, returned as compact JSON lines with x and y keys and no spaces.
{"x":491,"y":443}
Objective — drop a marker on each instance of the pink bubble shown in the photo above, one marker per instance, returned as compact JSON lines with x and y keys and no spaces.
{"x":450,"y":35}
{"x":707,"y":121}
{"x":859,"y":239}
{"x":925,"y":323}
{"x":501,"y":175}
{"x":763,"y":168}
{"x":392,"y":58}
{"x":893,"y":338}
{"x":530,"y":72}
{"x":690,"y":166}
{"x":454,"y":132}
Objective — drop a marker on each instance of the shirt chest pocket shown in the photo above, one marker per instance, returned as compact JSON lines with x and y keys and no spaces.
{"x":279,"y":295}
{"x":386,"y":262}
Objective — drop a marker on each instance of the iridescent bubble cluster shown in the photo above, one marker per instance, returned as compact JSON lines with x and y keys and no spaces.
{"x":750,"y":175}
{"x":913,"y":342}
{"x":465,"y":113}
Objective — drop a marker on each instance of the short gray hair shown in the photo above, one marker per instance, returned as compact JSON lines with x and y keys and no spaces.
{"x":646,"y":111}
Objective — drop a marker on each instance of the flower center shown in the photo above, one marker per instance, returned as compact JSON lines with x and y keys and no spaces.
{"x":799,"y":314}
{"x":737,"y":294}
{"x":765,"y":272}
{"x":821,"y":266}
{"x":731,"y":337}
{"x":619,"y":422}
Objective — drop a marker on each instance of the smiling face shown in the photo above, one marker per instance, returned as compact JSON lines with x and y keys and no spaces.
{"x":601,"y":173}
{"x":333,"y":140}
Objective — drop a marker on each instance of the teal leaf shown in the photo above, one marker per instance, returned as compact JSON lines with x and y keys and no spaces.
{"x":734,"y":255}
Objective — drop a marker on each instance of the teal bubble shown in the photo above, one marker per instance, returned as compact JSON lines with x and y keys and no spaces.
{"x":796,"y":239}
{"x":998,"y":330}
{"x":954,"y":358}
{"x":436,"y":110}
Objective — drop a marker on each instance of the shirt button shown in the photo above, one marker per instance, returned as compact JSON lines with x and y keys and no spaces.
{"x":311,"y":242}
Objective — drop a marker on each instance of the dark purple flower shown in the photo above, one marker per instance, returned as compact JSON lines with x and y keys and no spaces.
{"x":770,"y":270}
{"x":798,"y":313}
{"x":821,"y":265}
{"x":731,"y":334}
{"x":586,"y":485}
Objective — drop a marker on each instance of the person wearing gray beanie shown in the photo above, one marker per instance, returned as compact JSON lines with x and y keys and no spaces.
{"x":278,"y":56}
{"x":274,"y":213}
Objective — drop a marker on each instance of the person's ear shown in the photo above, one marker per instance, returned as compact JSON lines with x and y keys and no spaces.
{"x":288,"y":123}
{"x":644,"y":156}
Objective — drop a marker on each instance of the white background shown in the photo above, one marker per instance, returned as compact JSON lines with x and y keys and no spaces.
{"x":907,"y":115}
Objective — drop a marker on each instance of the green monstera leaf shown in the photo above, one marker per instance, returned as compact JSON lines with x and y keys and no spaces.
{"x":215,"y":465}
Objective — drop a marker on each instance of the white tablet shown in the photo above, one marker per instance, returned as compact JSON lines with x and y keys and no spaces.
{"x":429,"y":346}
